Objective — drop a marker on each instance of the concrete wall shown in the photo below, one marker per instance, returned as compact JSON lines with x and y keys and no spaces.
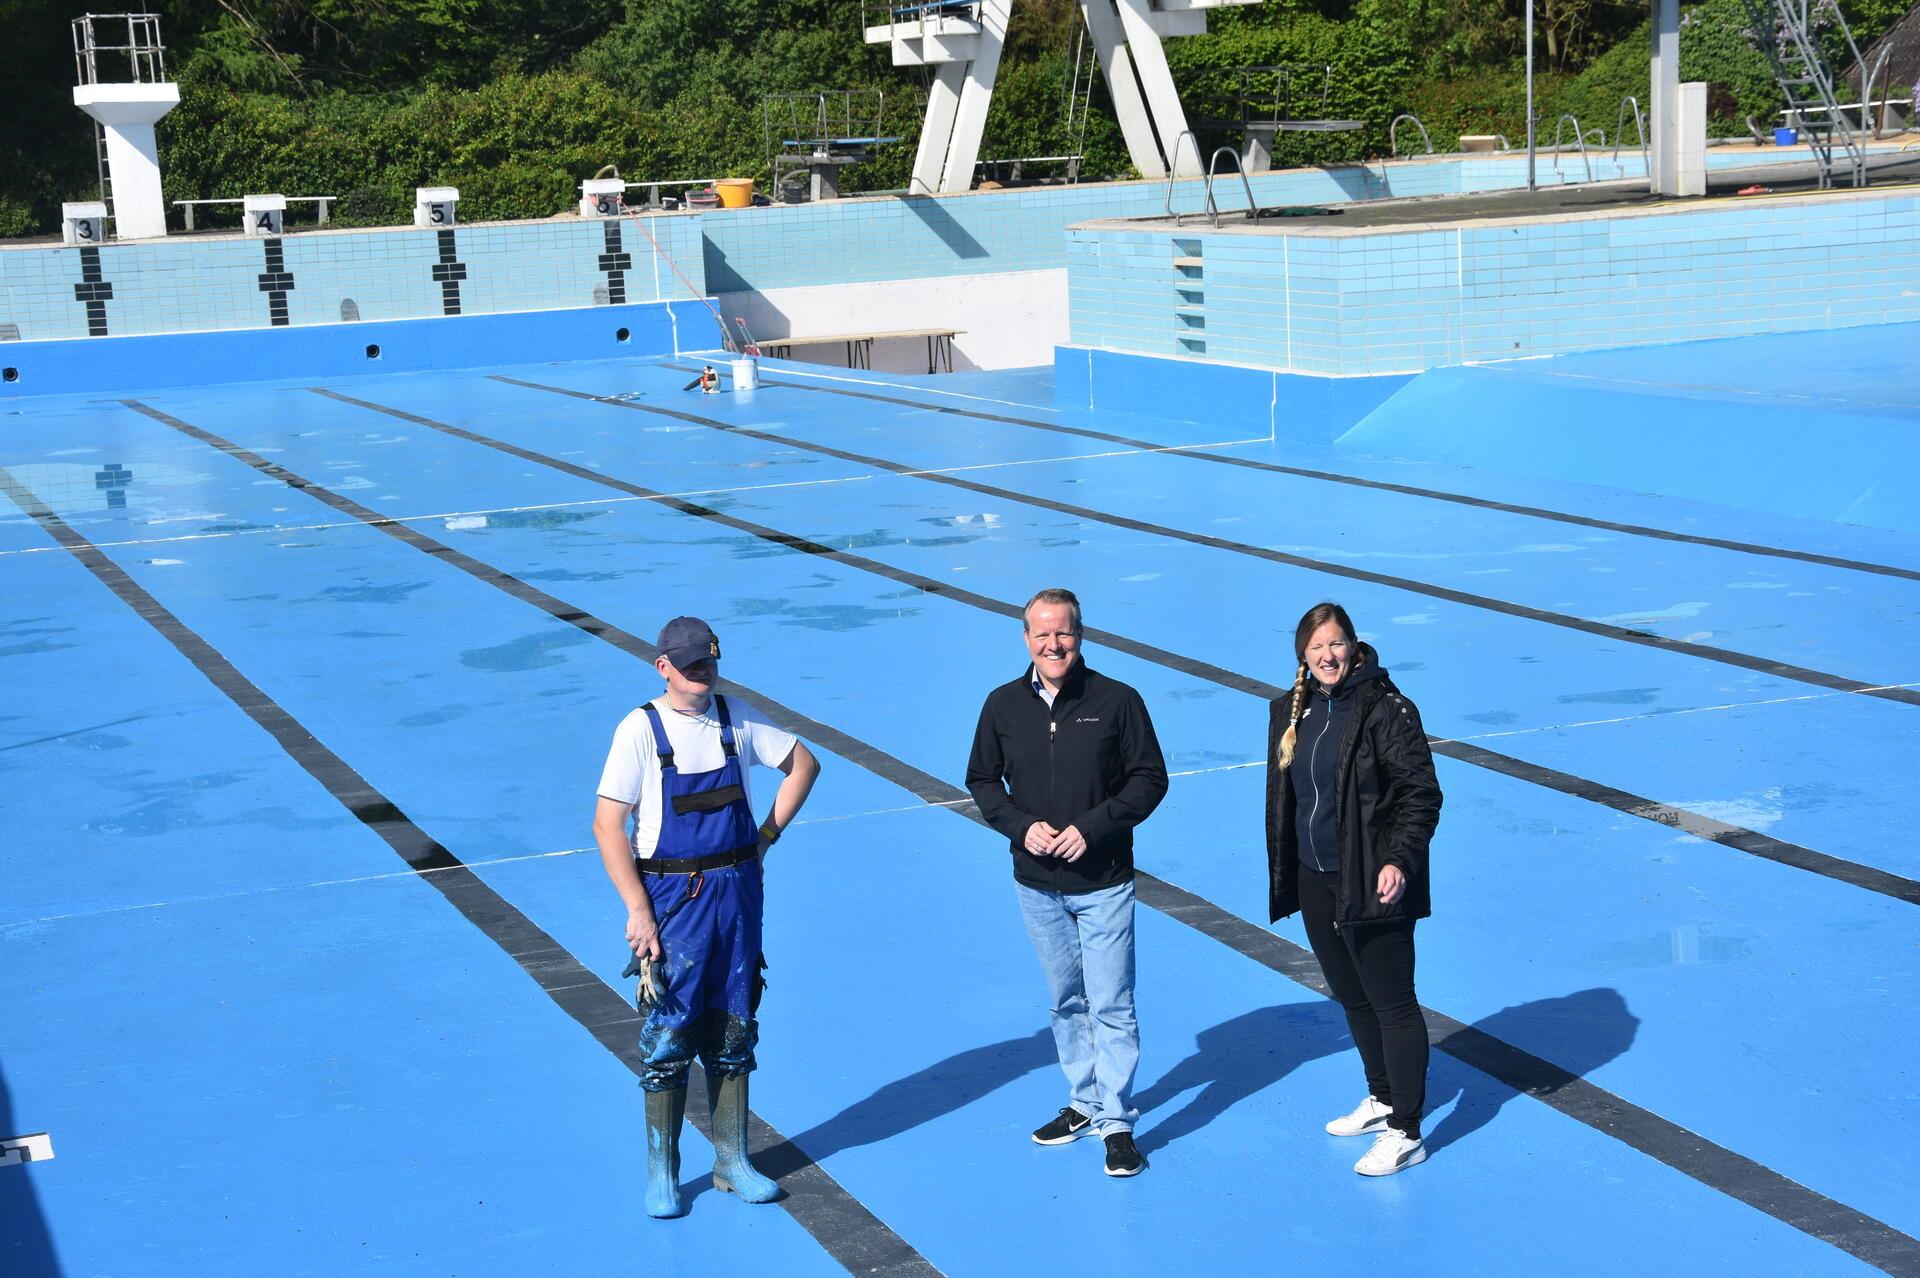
{"x":1011,"y":320}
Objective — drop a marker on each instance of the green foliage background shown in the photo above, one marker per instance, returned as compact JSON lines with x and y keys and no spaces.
{"x":514,"y":103}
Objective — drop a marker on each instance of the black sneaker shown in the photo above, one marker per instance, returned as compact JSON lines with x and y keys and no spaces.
{"x":1071,"y":1125}
{"x":1123,"y":1156}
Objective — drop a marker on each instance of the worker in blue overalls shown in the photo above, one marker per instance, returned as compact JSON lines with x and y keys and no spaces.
{"x":676,"y":831}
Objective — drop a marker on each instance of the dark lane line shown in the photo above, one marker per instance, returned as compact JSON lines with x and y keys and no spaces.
{"x":1715,"y":1166}
{"x":839,"y":1222}
{"x":1356,"y":481}
{"x":1605,"y":630}
{"x":1694,"y":823}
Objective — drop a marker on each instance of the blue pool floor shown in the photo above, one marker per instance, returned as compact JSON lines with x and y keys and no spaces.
{"x":312,"y":968}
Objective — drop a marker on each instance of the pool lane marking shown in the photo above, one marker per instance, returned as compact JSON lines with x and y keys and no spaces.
{"x":1695,"y":823}
{"x":1485,"y":603}
{"x":1723,"y":1170}
{"x":838,"y":1221}
{"x":1356,"y":481}
{"x":833,"y":481}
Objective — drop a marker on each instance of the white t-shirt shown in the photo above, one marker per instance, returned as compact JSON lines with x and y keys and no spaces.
{"x":632,"y":774}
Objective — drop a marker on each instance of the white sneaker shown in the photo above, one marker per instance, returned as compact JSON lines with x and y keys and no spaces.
{"x":1371,"y":1116}
{"x":1391,"y":1152}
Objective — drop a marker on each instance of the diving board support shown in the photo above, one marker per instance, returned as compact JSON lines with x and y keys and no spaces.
{"x":1156,"y":82}
{"x":936,"y":132}
{"x":976,"y":95}
{"x":963,"y":38}
{"x":1123,"y":87}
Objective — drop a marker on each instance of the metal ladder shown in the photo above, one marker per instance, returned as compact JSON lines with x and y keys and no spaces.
{"x":1079,"y":97}
{"x":100,"y":158}
{"x":1784,"y":31}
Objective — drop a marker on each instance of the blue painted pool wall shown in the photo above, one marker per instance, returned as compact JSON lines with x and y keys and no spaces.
{"x":112,"y":365}
{"x":1249,"y":402}
{"x":1403,"y":301}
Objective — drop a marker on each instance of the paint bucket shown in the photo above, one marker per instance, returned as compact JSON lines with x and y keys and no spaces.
{"x":1786,"y":137}
{"x":746,"y":373}
{"x":734,"y":193}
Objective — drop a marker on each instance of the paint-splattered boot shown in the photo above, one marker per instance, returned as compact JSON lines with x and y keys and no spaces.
{"x":731,"y":1170}
{"x":665,"y":1110}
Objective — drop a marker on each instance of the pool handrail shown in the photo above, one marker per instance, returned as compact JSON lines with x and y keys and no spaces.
{"x":1213,"y":206}
{"x":1578,"y":138}
{"x":1173,"y":168}
{"x":1639,"y":129}
{"x":1393,"y":133}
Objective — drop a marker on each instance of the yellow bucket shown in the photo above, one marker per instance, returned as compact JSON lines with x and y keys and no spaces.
{"x":734,"y":193}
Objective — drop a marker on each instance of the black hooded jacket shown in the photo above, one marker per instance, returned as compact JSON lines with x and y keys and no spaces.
{"x":1385,"y":800}
{"x":1091,"y":760}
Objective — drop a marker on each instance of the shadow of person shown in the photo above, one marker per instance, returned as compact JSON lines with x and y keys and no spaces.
{"x":26,"y":1248}
{"x":905,"y":1103}
{"x":1587,"y":1029}
{"x":1237,"y":1058}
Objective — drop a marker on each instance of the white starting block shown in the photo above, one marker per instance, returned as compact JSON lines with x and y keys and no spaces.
{"x":83,"y":223}
{"x":600,"y":197}
{"x":433,"y":205}
{"x":264,"y":214}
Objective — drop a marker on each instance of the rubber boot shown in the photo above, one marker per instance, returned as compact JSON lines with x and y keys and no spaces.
{"x":665,"y":1110}
{"x":727,"y":1098}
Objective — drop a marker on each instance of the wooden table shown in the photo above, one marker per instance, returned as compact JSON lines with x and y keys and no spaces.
{"x":860,"y":345}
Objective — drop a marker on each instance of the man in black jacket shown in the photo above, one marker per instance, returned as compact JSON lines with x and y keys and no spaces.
{"x":1065,"y":764}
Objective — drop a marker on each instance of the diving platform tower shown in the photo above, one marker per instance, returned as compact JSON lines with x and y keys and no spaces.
{"x":962,"y":40}
{"x":120,"y":70}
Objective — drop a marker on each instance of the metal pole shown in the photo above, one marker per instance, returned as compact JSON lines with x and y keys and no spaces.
{"x":1530,"y":177}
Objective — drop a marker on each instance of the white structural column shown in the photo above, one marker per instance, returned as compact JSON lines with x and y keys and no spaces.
{"x":1664,"y":166}
{"x":128,"y":113}
{"x":936,"y":133}
{"x":976,"y":95}
{"x":1156,"y":81}
{"x":1110,"y":46}
{"x":1690,"y":139}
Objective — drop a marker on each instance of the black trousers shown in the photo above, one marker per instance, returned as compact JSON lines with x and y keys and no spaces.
{"x":1369,"y":968}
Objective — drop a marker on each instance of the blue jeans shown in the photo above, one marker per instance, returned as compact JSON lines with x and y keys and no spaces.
{"x":1085,"y":944}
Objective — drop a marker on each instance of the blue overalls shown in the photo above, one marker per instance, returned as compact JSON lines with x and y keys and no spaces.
{"x":704,"y":882}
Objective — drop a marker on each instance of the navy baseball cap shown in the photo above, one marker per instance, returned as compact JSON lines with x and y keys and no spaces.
{"x":685,"y":640}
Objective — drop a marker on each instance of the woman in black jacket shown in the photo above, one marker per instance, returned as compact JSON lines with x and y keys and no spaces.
{"x":1352,"y":802}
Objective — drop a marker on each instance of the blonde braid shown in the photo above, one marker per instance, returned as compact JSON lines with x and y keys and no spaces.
{"x":1293,"y":719}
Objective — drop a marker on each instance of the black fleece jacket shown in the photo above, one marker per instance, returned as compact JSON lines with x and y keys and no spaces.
{"x":1386,"y":803}
{"x":1090,"y":761}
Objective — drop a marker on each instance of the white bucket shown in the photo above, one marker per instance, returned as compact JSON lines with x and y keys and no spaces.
{"x":746,"y":373}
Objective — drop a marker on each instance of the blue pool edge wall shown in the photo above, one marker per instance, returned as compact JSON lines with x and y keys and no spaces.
{"x":1306,"y":407}
{"x":104,"y":365}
